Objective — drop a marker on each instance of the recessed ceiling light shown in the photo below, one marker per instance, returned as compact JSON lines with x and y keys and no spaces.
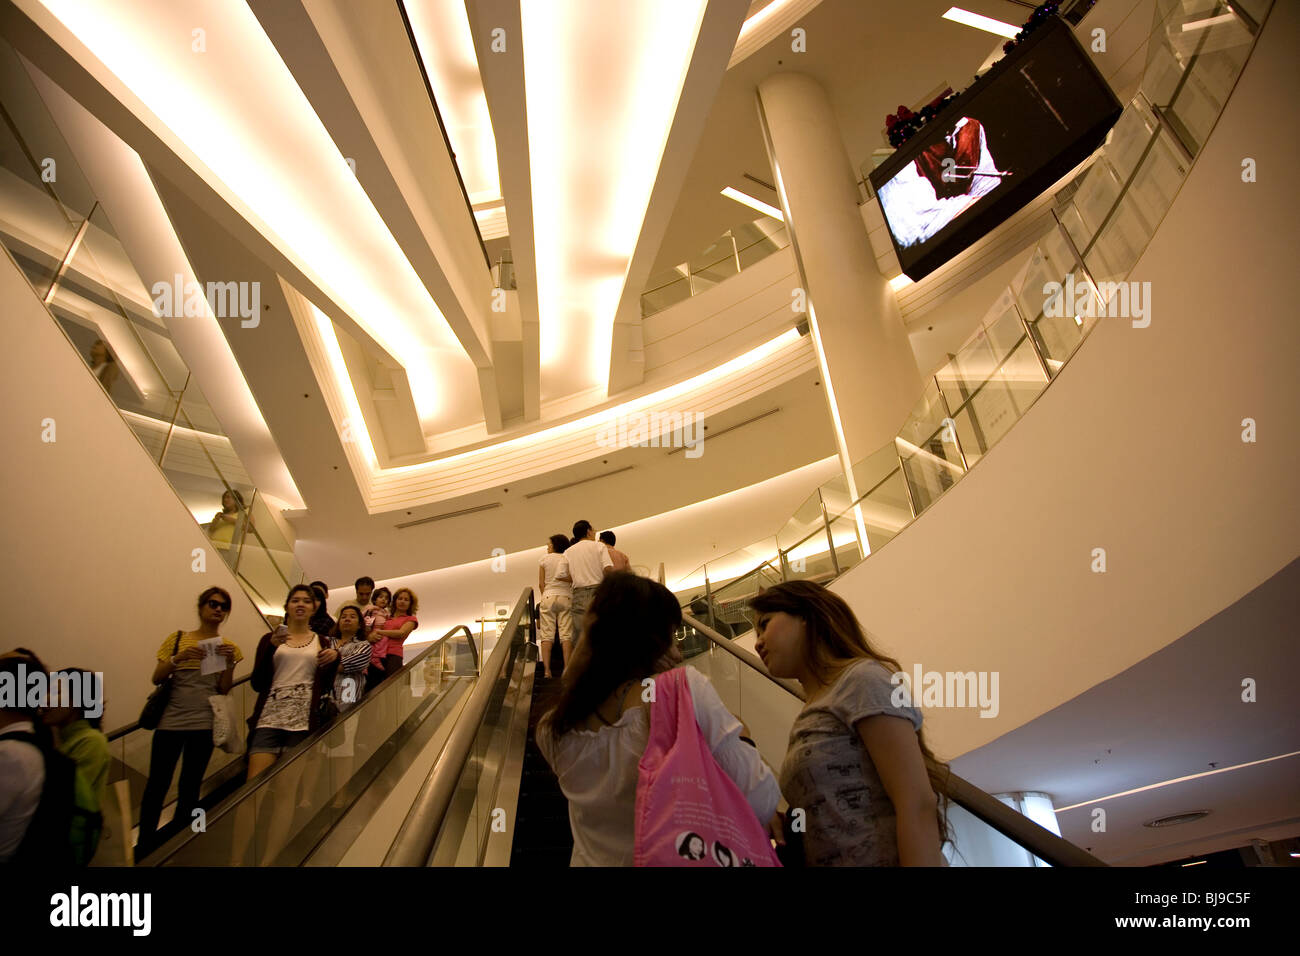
{"x":1197,"y":863}
{"x":1177,"y":819}
{"x":987,"y":24}
{"x":747,"y":200}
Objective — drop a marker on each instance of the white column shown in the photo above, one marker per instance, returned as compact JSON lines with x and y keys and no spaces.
{"x":867,"y":362}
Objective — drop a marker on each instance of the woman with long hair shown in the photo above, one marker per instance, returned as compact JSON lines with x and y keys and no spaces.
{"x":556,"y":588}
{"x":857,"y":763}
{"x":598,"y":730}
{"x":398,"y":628}
{"x":184,"y":733}
{"x":293,"y":670}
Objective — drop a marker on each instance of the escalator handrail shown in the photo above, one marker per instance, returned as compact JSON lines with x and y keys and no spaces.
{"x":178,"y":842}
{"x":1038,"y":840}
{"x":418,"y":834}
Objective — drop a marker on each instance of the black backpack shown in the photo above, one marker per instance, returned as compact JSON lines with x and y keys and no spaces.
{"x":47,"y":842}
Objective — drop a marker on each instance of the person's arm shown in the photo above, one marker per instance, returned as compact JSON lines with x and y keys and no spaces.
{"x":165,"y":669}
{"x":606,"y":562}
{"x":264,"y":663}
{"x":227,"y":678}
{"x":400,"y":632}
{"x":541,"y":579}
{"x":739,"y":760}
{"x":896,"y":753}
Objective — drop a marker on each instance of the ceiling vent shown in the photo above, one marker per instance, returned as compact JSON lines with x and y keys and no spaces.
{"x":449,"y":514}
{"x":1177,"y":819}
{"x":580,"y":481}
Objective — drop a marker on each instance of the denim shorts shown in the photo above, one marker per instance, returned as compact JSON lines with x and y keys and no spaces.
{"x":273,"y":740}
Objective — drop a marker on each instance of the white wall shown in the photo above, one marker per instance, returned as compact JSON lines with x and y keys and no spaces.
{"x":1136,"y":449}
{"x":98,"y":548}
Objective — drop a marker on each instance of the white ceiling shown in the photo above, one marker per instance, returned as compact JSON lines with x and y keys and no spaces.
{"x":1177,"y":713}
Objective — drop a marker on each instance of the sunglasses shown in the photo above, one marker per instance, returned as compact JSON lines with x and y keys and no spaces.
{"x":218,"y":605}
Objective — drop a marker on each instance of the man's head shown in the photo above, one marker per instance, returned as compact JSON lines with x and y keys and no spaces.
{"x":365,"y":588}
{"x":583,"y":530}
{"x":607,"y":537}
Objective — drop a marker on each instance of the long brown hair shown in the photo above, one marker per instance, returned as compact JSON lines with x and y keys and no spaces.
{"x":630,"y":625}
{"x":835,"y":640}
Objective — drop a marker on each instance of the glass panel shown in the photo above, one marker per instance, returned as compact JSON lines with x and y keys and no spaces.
{"x":885,"y":508}
{"x":1049,"y":262}
{"x":717,"y":262}
{"x":928,"y":470}
{"x":806,"y":519}
{"x":467,"y":828}
{"x":1158,"y":180}
{"x":1129,"y":137}
{"x":1094,"y":200}
{"x":280,"y":820}
{"x":737,"y":249}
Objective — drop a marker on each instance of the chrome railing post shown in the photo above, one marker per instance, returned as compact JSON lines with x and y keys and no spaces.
{"x":171,"y":427}
{"x":830,"y":538}
{"x":947,"y":414}
{"x":907,"y":482}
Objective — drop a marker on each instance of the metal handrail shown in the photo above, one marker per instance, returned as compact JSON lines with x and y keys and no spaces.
{"x":418,"y":834}
{"x":1038,"y":840}
{"x":292,"y":756}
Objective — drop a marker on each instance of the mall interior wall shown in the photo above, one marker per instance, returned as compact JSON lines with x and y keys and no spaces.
{"x":1136,"y":449}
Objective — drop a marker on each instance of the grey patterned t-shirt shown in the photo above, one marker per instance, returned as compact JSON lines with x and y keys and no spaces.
{"x":829,"y":774}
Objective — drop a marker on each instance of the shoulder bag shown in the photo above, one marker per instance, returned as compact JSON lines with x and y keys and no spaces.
{"x":688,"y":811}
{"x":152,"y":712}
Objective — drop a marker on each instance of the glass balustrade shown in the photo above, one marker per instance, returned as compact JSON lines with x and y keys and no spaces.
{"x":280,"y":817}
{"x":733,"y":251}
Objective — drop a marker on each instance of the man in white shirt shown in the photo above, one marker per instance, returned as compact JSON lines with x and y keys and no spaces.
{"x":22,"y":765}
{"x":589,"y":563}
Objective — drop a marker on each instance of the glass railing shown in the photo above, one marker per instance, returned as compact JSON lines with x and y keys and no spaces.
{"x":983,"y":830}
{"x":65,"y":243}
{"x":735,"y":250}
{"x":459,"y":817}
{"x":1030,"y":331}
{"x":281,"y":816}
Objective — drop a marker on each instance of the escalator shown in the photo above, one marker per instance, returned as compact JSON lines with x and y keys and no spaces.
{"x":491,"y":800}
{"x":292,"y":814}
{"x":439,"y":767}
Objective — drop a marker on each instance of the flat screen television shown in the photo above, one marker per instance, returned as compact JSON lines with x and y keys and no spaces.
{"x":1033,"y":117}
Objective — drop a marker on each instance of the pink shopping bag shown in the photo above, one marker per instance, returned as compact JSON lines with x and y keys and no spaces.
{"x":688,"y":811}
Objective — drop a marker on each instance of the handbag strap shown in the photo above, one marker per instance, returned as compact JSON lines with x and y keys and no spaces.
{"x":176,"y":647}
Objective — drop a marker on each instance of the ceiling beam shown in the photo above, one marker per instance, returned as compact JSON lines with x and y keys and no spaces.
{"x":385,"y":122}
{"x":501,"y":66}
{"x":713,"y":47}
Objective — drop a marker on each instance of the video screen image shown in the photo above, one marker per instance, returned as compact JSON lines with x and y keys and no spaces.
{"x":946,"y":179}
{"x":1005,"y":141}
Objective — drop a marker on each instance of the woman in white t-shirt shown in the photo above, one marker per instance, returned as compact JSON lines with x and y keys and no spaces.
{"x":556,"y":588}
{"x":596,"y":734}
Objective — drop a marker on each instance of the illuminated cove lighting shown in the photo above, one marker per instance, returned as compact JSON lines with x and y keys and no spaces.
{"x":233,"y":112}
{"x":602,"y":82}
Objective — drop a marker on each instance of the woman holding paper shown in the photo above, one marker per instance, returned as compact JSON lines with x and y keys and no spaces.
{"x":184,"y":733}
